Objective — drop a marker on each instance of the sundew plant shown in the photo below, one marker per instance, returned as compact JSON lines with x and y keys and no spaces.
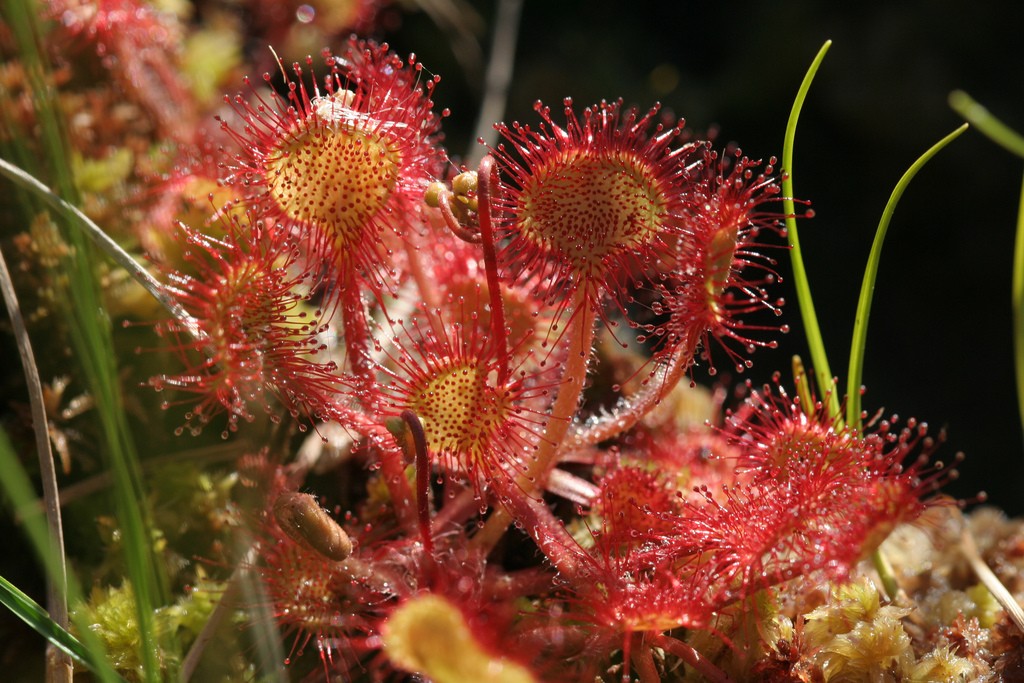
{"x":312,"y":397}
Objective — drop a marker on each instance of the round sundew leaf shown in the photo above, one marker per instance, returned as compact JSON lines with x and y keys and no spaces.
{"x":589,"y":206}
{"x":337,"y":177}
{"x":459,"y":408}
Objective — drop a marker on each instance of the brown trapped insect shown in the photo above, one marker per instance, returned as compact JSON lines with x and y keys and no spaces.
{"x":308,"y":524}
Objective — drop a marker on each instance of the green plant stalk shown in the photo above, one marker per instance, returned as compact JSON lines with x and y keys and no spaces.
{"x":29,"y":611}
{"x":1004,"y":136}
{"x":22,"y":17}
{"x":18,"y":488}
{"x":885,"y":573}
{"x":78,"y":220}
{"x":92,"y":340}
{"x":860,"y":326}
{"x":867,"y":289}
{"x":1018,"y":305}
{"x":815,"y":343}
{"x":59,"y":667}
{"x":980,"y":117}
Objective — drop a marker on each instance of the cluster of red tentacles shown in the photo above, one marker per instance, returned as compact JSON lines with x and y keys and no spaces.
{"x":463,"y":330}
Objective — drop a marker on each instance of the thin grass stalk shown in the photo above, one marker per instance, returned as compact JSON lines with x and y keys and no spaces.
{"x":22,"y":17}
{"x":58,"y":664}
{"x":78,"y":220}
{"x":855,"y":372}
{"x":37,"y":618}
{"x":815,"y":342}
{"x":858,"y":343}
{"x":1004,"y":136}
{"x":228,"y":601}
{"x":92,"y":341}
{"x":982,"y":119}
{"x":497,"y":78}
{"x":987,"y":577}
{"x":18,"y":489}
{"x":1018,"y":305}
{"x":269,"y":654}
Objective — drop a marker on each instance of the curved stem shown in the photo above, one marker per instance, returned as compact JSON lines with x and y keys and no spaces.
{"x":885,"y":573}
{"x":357,"y":333}
{"x":691,"y":657}
{"x":816,"y":344}
{"x":980,"y":117}
{"x":519,"y":583}
{"x":424,"y":284}
{"x":867,"y":289}
{"x":444,"y":203}
{"x":103,"y":241}
{"x":1004,"y":136}
{"x":392,"y":462}
{"x":629,"y":411}
{"x":580,"y":332}
{"x":487,"y":183}
{"x":419,"y":439}
{"x":643,"y":660}
{"x":457,"y":509}
{"x":546,"y":530}
{"x":1018,"y":305}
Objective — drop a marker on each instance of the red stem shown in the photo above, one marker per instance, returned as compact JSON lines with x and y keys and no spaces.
{"x":580,"y":332}
{"x":691,"y":657}
{"x":517,"y":584}
{"x":487,"y":176}
{"x":427,"y":288}
{"x":546,"y":530}
{"x":643,"y":660}
{"x":419,"y":440}
{"x":630,"y":411}
{"x":392,"y":463}
{"x":456,"y":510}
{"x":392,"y":460}
{"x":444,"y":202}
{"x":357,"y":333}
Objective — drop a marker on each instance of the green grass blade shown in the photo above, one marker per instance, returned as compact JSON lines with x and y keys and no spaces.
{"x":867,"y":288}
{"x":58,"y":667}
{"x":26,"y":181}
{"x":815,"y":343}
{"x":980,"y":117}
{"x":1004,"y":136}
{"x":1018,"y":305}
{"x":32,"y":613}
{"x":29,"y":611}
{"x":91,"y":338}
{"x":22,"y":17}
{"x":18,"y":489}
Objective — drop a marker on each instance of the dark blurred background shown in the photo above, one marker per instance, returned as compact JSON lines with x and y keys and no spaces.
{"x":940,"y":339}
